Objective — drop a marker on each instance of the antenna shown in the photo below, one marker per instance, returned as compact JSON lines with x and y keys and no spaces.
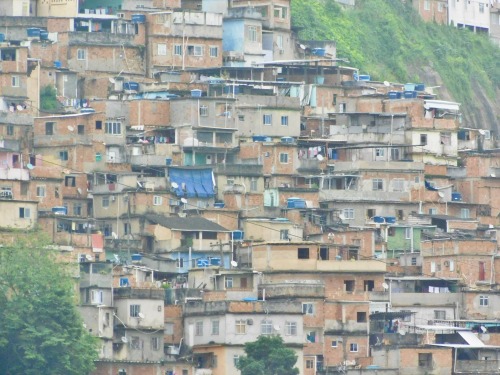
{"x":124,"y":339}
{"x":302,"y":46}
{"x":184,"y":200}
{"x":141,"y":315}
{"x":385,"y":286}
{"x":483,"y":329}
{"x":111,"y":80}
{"x":402,"y":333}
{"x":174,"y":185}
{"x":441,"y":194}
{"x":234,"y":263}
{"x":139,"y":183}
{"x":387,"y":83}
{"x":89,"y":257}
{"x":493,"y":175}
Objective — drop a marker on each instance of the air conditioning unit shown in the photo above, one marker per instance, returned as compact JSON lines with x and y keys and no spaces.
{"x":250,"y":322}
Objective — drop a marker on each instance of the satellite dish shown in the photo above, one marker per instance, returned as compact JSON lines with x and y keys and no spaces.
{"x":70,"y":128}
{"x":483,"y":329}
{"x":276,"y":327}
{"x":387,"y":83}
{"x":385,"y":286}
{"x":79,"y":190}
{"x":491,"y":226}
{"x":19,"y":107}
{"x":319,"y":157}
{"x":139,"y":184}
{"x":141,"y":315}
{"x":482,"y":132}
{"x":89,"y":257}
{"x":402,"y":333}
{"x":441,"y":194}
{"x":114,"y":235}
{"x":493,"y":175}
{"x":124,"y":339}
{"x":30,"y":166}
{"x":341,"y":217}
{"x":174,"y":184}
{"x":302,"y":46}
{"x":184,"y":200}
{"x":234,"y":263}
{"x":111,"y":80}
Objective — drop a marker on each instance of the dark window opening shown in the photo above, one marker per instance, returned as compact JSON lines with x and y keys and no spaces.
{"x":98,"y":124}
{"x":369,"y":285}
{"x":361,"y":317}
{"x":303,"y":253}
{"x":323,"y":253}
{"x":349,"y":285}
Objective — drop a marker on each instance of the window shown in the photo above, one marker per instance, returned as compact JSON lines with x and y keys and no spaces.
{"x":440,"y":314}
{"x":156,"y":343}
{"x":63,"y":155}
{"x":432,"y":211}
{"x":98,"y":124}
{"x":377,"y":184}
{"x":398,"y":184}
{"x":10,"y":129}
{"x":284,"y":234}
{"x":179,"y":263}
{"x":484,"y":301}
{"x":15,"y":81}
{"x":40,"y":191}
{"x":368,"y":285}
{"x":445,"y":138}
{"x":252,"y":33}
{"x":214,"y":51}
{"x":481,"y":7}
{"x":195,"y":50}
{"x":406,"y":318}
{"x":49,"y":128}
{"x":408,"y":233}
{"x":203,"y":110}
{"x":349,"y":285}
{"x":178,"y":49}
{"x":283,"y":158}
{"x":236,"y":359}
{"x":348,"y":213}
{"x":361,"y":317}
{"x":105,"y":201}
{"x":395,"y":154}
{"x":464,"y":213}
{"x":24,"y":213}
{"x":308,"y":308}
{"x":379,"y":152}
{"x":309,"y":363}
{"x":284,"y":120}
{"x":96,"y":296}
{"x":198,"y":328}
{"x":157,"y":200}
{"x":370,"y":213}
{"x":427,"y":5}
{"x":425,"y":360}
{"x":215,"y":327}
{"x":135,"y":310}
{"x":126,"y":228}
{"x":413,"y":261}
{"x":135,"y":343}
{"x":423,"y":139}
{"x":70,"y":181}
{"x":440,"y":7}
{"x":266,"y":119}
{"x":162,"y":49}
{"x":353,"y":347}
{"x":303,"y":253}
{"x":241,"y":327}
{"x":229,"y":282}
{"x":114,"y":128}
{"x":291,"y":328}
{"x":81,"y":54}
{"x":81,"y":129}
{"x":266,"y":327}
{"x":253,"y":184}
{"x":335,"y":344}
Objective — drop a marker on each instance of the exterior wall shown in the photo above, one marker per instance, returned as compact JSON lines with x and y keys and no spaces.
{"x":432,"y":10}
{"x":11,"y":217}
{"x":469,"y":15}
{"x":68,"y":8}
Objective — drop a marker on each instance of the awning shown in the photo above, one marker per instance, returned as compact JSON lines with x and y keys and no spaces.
{"x":441,"y":104}
{"x":470,"y":338}
{"x":192,"y":182}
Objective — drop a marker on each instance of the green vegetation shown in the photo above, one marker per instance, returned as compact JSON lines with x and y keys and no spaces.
{"x":268,"y":355}
{"x":388,"y":40}
{"x":41,"y":331}
{"x":48,"y":100}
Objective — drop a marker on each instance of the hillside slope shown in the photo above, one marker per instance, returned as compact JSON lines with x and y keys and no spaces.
{"x":388,"y":40}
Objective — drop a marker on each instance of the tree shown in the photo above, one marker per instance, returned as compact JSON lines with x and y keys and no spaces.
{"x":48,"y":98}
{"x":41,"y":331}
{"x":268,"y":356}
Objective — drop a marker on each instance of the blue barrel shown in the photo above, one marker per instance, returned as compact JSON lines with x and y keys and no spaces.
{"x":57,"y":64}
{"x":44,"y":35}
{"x":379,"y":219}
{"x":168,"y":161}
{"x":394,"y":94}
{"x":410,"y":94}
{"x":457,"y":197}
{"x":60,"y":210}
{"x":131,"y":86}
{"x":219,"y":204}
{"x":364,"y":77}
{"x":136,"y":257}
{"x":419,"y":87}
{"x":319,"y":51}
{"x":238,"y":235}
{"x":196,"y":93}
{"x":33,"y":32}
{"x":390,"y":219}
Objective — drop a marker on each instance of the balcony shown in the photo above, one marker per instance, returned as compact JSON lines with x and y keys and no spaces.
{"x":292,"y":290}
{"x":425,"y":299}
{"x":139,"y":293}
{"x":477,"y":367}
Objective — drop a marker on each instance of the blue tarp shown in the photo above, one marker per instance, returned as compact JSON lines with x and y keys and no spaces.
{"x":192,"y":182}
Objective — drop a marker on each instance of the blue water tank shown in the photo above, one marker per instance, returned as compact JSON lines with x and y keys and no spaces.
{"x":168,"y":161}
{"x":390,"y":219}
{"x":44,"y":35}
{"x":379,"y":219}
{"x":419,"y":87}
{"x":200,"y":263}
{"x":319,"y":51}
{"x":131,"y":86}
{"x":215,"y":261}
{"x":410,"y":87}
{"x":196,"y":93}
{"x":136,"y":257}
{"x":57,"y":64}
{"x":2,"y":37}
{"x":219,"y":204}
{"x":364,"y":77}
{"x":33,"y":32}
{"x":60,"y":210}
{"x":238,"y":235}
{"x":457,"y":197}
{"x":261,"y":138}
{"x":410,"y":94}
{"x":289,"y":140}
{"x":394,"y":94}
{"x":138,"y":18}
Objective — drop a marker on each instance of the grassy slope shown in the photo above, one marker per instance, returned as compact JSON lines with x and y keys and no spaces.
{"x":388,"y":40}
